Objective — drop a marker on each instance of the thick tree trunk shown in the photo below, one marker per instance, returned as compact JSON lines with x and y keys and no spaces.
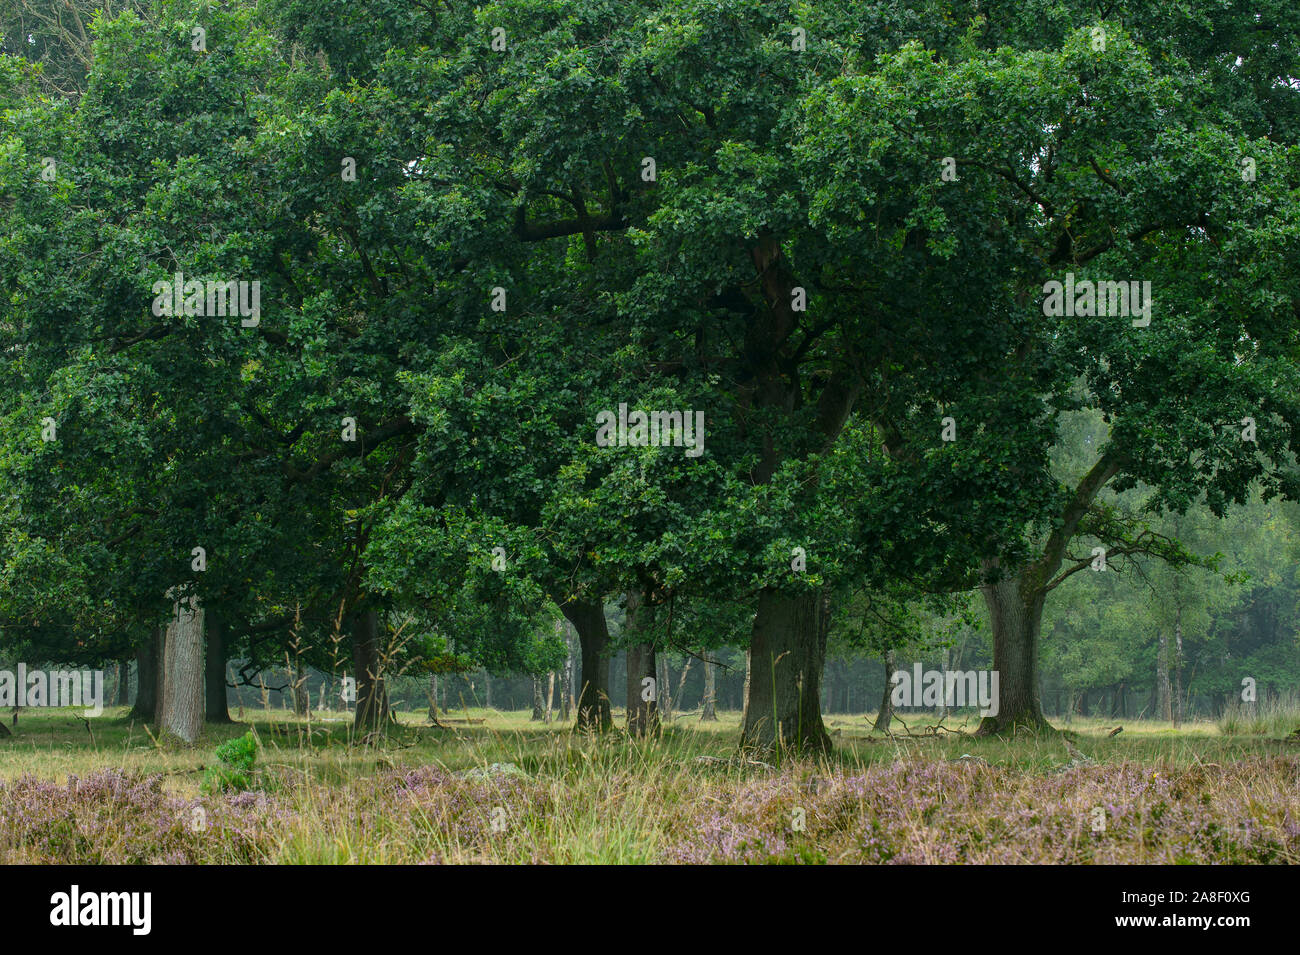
{"x":550,"y":695}
{"x":642,"y":697}
{"x":588,"y":619}
{"x":214,"y":670}
{"x":1015,"y":603}
{"x":372,"y":712}
{"x":537,"y":700}
{"x":124,"y":683}
{"x":1016,"y":612}
{"x":708,"y":709}
{"x":885,"y":716}
{"x":786,"y":654}
{"x":744,"y":691}
{"x":146,"y":677}
{"x":182,"y":698}
{"x":788,"y":643}
{"x":160,"y":675}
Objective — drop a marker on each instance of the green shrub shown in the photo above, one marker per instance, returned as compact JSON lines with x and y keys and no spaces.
{"x":234,"y":767}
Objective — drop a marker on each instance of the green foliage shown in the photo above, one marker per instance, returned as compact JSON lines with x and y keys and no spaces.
{"x":233,"y":770}
{"x":521,"y":169}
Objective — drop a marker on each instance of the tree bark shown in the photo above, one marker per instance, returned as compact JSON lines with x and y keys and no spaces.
{"x":214,"y":670}
{"x":885,"y":716}
{"x":550,"y":695}
{"x":301,"y":692}
{"x":160,"y":674}
{"x":1016,"y":612}
{"x":566,"y":678}
{"x":537,"y":700}
{"x":642,"y":698}
{"x":1015,"y":603}
{"x":588,"y":619}
{"x":708,"y":709}
{"x":744,"y":691}
{"x":786,"y":654}
{"x":372,"y":711}
{"x":182,"y":699}
{"x":681,"y":680}
{"x":788,"y":643}
{"x":124,"y":683}
{"x":664,"y":681}
{"x":943,"y":702}
{"x":1178,"y":667}
{"x":147,"y":677}
{"x":1164,"y":696}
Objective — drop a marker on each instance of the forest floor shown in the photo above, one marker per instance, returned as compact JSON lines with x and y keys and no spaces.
{"x":497,"y":787}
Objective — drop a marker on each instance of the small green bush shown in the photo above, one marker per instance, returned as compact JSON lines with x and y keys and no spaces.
{"x":234,"y":767}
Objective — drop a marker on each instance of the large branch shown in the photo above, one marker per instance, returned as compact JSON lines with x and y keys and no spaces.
{"x":533,"y":232}
{"x":836,"y":404}
{"x":1065,"y":248}
{"x":149,"y":334}
{"x":1127,"y":537}
{"x":1007,"y":173}
{"x":396,"y":427}
{"x":1075,"y":509}
{"x":1145,"y":543}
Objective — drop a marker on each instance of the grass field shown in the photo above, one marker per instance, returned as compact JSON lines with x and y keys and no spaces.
{"x":510,"y":790}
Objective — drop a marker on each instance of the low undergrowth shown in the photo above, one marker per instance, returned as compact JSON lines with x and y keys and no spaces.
{"x":551,"y":796}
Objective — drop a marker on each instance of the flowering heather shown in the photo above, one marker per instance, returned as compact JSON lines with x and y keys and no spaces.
{"x":938,"y":812}
{"x":914,"y":810}
{"x":110,"y":817}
